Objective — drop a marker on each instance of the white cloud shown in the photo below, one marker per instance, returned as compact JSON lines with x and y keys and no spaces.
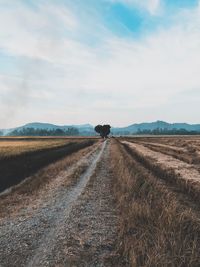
{"x":24,"y":29}
{"x":65,"y":74}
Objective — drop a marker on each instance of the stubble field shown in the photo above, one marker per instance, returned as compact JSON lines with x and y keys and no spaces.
{"x":88,"y":202}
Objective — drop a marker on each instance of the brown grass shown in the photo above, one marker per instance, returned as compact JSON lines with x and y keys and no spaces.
{"x":186,"y":146}
{"x":44,"y":181}
{"x":190,"y":156}
{"x":190,"y":188}
{"x":15,"y":168}
{"x":159,"y":226}
{"x":182,"y":149}
{"x":15,"y":147}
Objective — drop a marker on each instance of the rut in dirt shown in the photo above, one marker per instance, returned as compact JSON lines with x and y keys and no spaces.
{"x":78,"y":228}
{"x":90,"y":237}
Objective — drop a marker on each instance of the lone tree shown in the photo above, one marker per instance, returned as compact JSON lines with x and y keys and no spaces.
{"x":103,"y":130}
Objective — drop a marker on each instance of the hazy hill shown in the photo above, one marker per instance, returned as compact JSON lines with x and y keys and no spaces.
{"x":134,"y":128}
{"x":88,"y":129}
{"x":40,"y":125}
{"x":84,"y":129}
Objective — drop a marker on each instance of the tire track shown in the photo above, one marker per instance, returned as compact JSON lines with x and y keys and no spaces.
{"x":68,"y":201}
{"x":88,"y":237}
{"x":24,"y":241}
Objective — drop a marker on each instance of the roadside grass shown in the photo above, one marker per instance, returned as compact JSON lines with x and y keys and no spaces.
{"x":159,"y":226}
{"x":45,"y":180}
{"x":15,"y":168}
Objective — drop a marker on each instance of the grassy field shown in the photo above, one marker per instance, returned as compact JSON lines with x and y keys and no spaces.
{"x":16,"y":146}
{"x":20,"y":158}
{"x":154,"y":182}
{"x":157,"y":188}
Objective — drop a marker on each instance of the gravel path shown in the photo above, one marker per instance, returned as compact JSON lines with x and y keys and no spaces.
{"x":77,"y":226}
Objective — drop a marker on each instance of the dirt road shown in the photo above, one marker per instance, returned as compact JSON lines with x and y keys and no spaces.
{"x":68,"y":226}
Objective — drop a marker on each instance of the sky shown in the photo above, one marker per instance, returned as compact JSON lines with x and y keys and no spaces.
{"x":99,"y":61}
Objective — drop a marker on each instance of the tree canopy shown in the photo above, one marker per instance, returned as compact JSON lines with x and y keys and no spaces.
{"x":103,"y":130}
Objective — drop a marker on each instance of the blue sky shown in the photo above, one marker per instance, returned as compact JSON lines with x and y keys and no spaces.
{"x":96,"y":61}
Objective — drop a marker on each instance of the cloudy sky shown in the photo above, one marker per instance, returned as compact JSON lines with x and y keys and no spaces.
{"x":99,"y":61}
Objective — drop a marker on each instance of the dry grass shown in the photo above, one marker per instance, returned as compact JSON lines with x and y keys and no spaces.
{"x":159,"y":225}
{"x":15,"y":147}
{"x":44,"y":181}
{"x":178,"y":174}
{"x":189,"y":156}
{"x":189,"y":144}
{"x":186,"y":149}
{"x":16,"y":167}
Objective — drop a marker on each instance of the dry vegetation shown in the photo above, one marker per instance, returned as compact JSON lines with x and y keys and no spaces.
{"x":19,"y":159}
{"x":160,"y":221}
{"x":16,"y":146}
{"x":183,"y":148}
{"x":155,"y":183}
{"x":32,"y":189}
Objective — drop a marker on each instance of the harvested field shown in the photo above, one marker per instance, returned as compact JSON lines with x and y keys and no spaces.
{"x":70,"y":220}
{"x":160,"y":224}
{"x":19,"y":160}
{"x":16,"y":146}
{"x":184,"y":148}
{"x":119,"y":202}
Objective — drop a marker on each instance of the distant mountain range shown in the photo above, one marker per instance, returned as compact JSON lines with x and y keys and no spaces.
{"x":84,"y":129}
{"x":135,"y":128}
{"x":88,"y":129}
